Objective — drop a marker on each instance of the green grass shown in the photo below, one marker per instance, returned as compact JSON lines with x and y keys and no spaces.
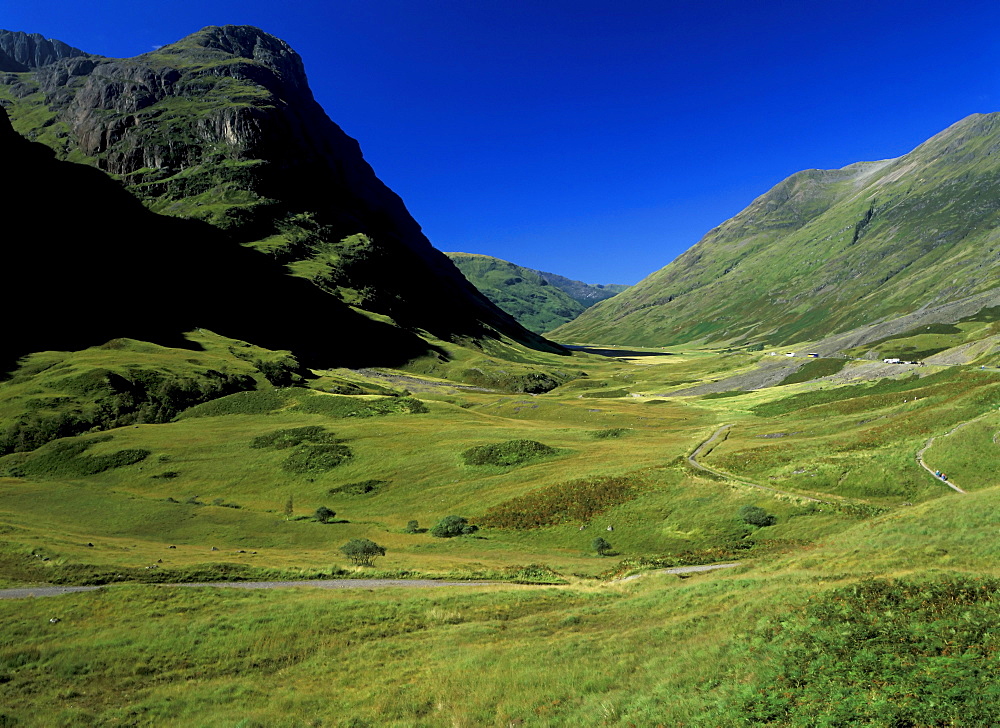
{"x":659,"y":650}
{"x":521,"y":292}
{"x":507,"y":454}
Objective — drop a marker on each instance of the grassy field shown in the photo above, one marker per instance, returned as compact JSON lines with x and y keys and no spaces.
{"x":229,"y":490}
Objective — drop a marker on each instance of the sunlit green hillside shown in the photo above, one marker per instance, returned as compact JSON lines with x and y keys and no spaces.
{"x":828,"y":251}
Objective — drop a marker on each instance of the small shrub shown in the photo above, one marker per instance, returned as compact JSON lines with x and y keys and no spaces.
{"x":451,"y":526}
{"x":507,"y":454}
{"x":577,"y":501}
{"x":316,"y":458}
{"x":282,"y":439}
{"x":412,"y":527}
{"x":600,"y":546}
{"x":324,"y":514}
{"x":756,"y":516}
{"x":362,"y":552}
{"x":611,"y":433}
{"x":360,"y":488}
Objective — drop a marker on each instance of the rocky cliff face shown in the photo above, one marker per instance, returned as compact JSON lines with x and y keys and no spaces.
{"x":22,"y":51}
{"x":221,"y":127}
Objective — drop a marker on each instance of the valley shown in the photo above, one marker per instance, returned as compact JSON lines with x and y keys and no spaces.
{"x":849,"y":501}
{"x":757,"y":488}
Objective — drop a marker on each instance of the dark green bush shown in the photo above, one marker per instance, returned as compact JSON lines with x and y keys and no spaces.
{"x":756,"y":516}
{"x":600,"y":546}
{"x":611,"y":433}
{"x":507,"y":454}
{"x":451,"y":526}
{"x":282,"y":439}
{"x":362,"y":552}
{"x":360,"y":488}
{"x":316,"y":458}
{"x":412,"y":527}
{"x":281,"y":373}
{"x":324,"y":514}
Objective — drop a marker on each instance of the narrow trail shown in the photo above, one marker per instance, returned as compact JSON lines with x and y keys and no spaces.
{"x":693,"y":460}
{"x":930,"y":441}
{"x":51,"y":591}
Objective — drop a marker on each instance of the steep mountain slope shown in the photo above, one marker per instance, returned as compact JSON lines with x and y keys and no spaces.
{"x":93,"y":264}
{"x":221,"y":128}
{"x":539,"y":301}
{"x":828,"y":251}
{"x":521,"y":292}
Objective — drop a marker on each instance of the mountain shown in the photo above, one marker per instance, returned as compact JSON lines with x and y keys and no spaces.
{"x":832,"y":251}
{"x":94,"y":265}
{"x":523,"y":293}
{"x":538,"y":301}
{"x":587,"y":294}
{"x":220,"y":132}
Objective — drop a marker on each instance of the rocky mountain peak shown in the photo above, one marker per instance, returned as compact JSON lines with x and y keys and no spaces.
{"x":251,"y":43}
{"x":22,"y":51}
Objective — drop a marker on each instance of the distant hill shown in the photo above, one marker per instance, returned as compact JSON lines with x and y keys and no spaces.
{"x":586,"y":294}
{"x":831,"y":251}
{"x":521,"y":292}
{"x":539,"y":301}
{"x":220,"y":133}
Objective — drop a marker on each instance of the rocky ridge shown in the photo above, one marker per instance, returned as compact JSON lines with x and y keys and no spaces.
{"x":221,"y":127}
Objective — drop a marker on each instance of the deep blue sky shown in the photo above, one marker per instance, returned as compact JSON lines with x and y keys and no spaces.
{"x":598,"y":140}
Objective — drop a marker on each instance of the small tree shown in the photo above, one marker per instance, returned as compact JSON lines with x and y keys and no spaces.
{"x":601,"y":546}
{"x":324,"y":514}
{"x":362,"y":552}
{"x":756,"y":516}
{"x":289,"y":508}
{"x":412,"y":527}
{"x":451,"y":526}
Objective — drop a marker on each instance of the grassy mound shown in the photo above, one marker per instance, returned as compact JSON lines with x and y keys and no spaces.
{"x":577,"y":501}
{"x":66,"y":459}
{"x":297,"y":400}
{"x":507,"y":454}
{"x":281,"y":439}
{"x":316,"y":458}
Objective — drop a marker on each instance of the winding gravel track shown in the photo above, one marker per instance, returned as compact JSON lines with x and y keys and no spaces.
{"x":693,"y":460}
{"x":51,"y":591}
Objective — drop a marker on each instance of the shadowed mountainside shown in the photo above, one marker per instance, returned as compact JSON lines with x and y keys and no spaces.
{"x":221,"y":128}
{"x":95,"y":265}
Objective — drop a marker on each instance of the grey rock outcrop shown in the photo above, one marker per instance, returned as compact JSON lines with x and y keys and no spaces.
{"x":22,"y":51}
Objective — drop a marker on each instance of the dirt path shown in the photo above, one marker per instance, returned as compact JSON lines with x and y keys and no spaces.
{"x":682,"y":570}
{"x":51,"y":591}
{"x":693,"y":460}
{"x":930,"y":441}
